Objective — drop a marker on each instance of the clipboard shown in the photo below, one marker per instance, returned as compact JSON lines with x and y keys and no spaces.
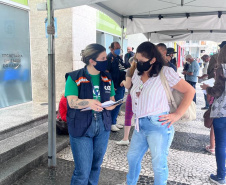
{"x":107,"y":104}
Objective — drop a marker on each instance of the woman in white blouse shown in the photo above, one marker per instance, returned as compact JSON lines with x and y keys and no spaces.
{"x":154,"y":128}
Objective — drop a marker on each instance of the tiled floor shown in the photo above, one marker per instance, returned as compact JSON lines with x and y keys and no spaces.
{"x":188,"y":161}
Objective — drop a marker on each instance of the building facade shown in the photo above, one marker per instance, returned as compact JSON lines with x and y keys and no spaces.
{"x":23,"y":47}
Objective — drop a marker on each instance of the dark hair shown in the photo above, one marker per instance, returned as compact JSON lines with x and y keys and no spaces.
{"x":92,"y":51}
{"x":149,"y":50}
{"x":112,"y":46}
{"x":162,"y":45}
{"x":204,"y":57}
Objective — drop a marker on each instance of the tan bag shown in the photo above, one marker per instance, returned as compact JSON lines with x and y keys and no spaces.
{"x":175,"y":97}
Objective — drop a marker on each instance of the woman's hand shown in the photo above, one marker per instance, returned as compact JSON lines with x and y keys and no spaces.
{"x":122,"y":83}
{"x":208,"y":97}
{"x":170,"y":118}
{"x":95,"y":105}
{"x":204,"y":86}
{"x":111,"y":107}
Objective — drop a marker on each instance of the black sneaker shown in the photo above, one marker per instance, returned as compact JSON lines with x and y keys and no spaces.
{"x":204,"y":108}
{"x":216,"y":180}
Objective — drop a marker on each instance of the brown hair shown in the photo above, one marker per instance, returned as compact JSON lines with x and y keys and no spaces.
{"x":222,"y":56}
{"x":222,"y":59}
{"x":149,"y":51}
{"x":92,"y":51}
{"x":133,"y":65}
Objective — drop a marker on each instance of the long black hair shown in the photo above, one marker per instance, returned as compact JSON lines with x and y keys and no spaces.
{"x":149,"y":50}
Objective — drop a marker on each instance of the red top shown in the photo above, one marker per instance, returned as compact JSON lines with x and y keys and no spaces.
{"x":62,"y":109}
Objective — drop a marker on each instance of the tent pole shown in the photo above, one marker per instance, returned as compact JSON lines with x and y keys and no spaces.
{"x":122,"y":33}
{"x":149,"y":36}
{"x":51,"y":91}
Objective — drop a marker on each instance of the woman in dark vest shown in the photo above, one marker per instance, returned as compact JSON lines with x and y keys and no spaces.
{"x":89,"y":130}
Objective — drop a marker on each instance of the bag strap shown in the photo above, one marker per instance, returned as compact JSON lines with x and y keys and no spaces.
{"x":166,"y":86}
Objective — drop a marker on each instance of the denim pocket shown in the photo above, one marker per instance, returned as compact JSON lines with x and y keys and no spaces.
{"x":155,"y":120}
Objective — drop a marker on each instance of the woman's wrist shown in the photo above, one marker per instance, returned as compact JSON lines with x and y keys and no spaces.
{"x":179,"y":113}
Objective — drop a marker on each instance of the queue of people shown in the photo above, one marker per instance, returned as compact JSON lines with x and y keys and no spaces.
{"x":105,"y":78}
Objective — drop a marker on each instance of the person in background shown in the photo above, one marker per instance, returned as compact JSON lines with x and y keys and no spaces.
{"x":128,"y":55}
{"x":199,"y":62}
{"x":208,"y":101}
{"x":116,"y":68}
{"x":153,"y":128}
{"x":186,"y":67}
{"x":192,"y":73}
{"x":129,"y":112}
{"x":89,"y":130}
{"x":218,"y":113}
{"x":211,"y":72}
{"x":206,"y":59}
{"x":170,"y":53}
{"x":62,"y":112}
{"x":61,"y":121}
{"x":163,"y":50}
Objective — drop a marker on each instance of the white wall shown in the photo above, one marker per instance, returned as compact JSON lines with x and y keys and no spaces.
{"x":135,"y":40}
{"x":83,"y":32}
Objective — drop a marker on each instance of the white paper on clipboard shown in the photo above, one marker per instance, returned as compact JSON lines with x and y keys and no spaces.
{"x":106,"y":104}
{"x":209,"y":82}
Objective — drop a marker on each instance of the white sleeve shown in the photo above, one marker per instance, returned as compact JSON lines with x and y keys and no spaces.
{"x":172,"y":77}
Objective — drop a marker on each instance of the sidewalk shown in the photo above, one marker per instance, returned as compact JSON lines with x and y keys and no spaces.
{"x":19,"y":114}
{"x":188,"y":161}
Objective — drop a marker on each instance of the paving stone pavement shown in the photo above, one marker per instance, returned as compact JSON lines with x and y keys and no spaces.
{"x":188,"y":161}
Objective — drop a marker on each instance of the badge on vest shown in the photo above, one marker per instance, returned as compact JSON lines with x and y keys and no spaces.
{"x":107,"y":89}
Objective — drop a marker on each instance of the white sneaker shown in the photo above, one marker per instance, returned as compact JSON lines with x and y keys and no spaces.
{"x":121,"y":113}
{"x":122,"y":142}
{"x":114,"y":128}
{"x":119,"y":126}
{"x":121,"y":123}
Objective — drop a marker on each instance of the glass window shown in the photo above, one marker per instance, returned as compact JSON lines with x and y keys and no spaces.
{"x":15,"y":64}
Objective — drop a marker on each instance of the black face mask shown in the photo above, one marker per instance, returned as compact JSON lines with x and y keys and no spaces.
{"x":143,"y":66}
{"x":101,"y":65}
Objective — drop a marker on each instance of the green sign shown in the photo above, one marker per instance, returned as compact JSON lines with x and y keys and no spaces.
{"x":107,"y":24}
{"x":23,"y":2}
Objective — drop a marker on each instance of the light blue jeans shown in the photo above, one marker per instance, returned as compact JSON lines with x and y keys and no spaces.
{"x":158,"y":139}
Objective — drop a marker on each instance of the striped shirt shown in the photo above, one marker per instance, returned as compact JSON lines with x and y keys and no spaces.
{"x":150,"y":98}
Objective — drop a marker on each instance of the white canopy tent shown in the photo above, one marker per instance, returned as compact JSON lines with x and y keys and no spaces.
{"x":161,"y":20}
{"x":159,"y":15}
{"x":186,"y":35}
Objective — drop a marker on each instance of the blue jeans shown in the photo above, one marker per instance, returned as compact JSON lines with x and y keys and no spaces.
{"x":88,"y":153}
{"x":158,"y":139}
{"x":119,"y":94}
{"x":206,"y":101}
{"x":219,"y":125}
{"x":193,"y":84}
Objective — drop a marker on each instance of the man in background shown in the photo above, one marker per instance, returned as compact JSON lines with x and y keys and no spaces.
{"x":116,"y":68}
{"x":163,"y":50}
{"x":192,"y":73}
{"x":205,"y":59}
{"x":170,"y":53}
{"x":128,"y":55}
